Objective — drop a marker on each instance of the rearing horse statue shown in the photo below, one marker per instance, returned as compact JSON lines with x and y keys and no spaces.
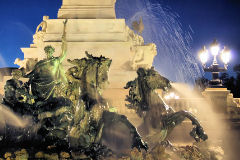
{"x":93,"y":119}
{"x":158,"y":117}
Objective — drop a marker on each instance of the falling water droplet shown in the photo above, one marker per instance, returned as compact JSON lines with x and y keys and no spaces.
{"x":162,"y":27}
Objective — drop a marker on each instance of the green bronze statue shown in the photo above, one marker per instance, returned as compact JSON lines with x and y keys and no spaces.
{"x":81,"y":119}
{"x":78,"y":119}
{"x":158,"y":117}
{"x":12,"y":86}
{"x":52,"y":112}
{"x":48,"y":73}
{"x":17,"y":94}
{"x":92,"y":116}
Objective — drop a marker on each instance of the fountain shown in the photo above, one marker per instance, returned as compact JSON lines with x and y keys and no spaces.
{"x":72,"y":104}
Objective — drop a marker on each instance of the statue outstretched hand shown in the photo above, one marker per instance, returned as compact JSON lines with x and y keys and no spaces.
{"x":64,"y":31}
{"x":64,"y":42}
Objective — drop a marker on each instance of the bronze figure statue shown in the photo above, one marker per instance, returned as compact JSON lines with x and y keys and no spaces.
{"x":48,"y":73}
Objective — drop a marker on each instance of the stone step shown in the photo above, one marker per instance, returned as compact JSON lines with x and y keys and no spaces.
{"x":88,"y":37}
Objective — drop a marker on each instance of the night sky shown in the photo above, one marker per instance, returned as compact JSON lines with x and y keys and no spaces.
{"x":209,"y":19}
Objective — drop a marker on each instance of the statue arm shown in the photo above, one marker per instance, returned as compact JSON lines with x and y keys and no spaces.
{"x":64,"y":43}
{"x":64,"y":50}
{"x":40,"y":25}
{"x":38,"y":65}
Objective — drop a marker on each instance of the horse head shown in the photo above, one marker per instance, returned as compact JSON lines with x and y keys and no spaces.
{"x":141,"y":90}
{"x":92,"y":75}
{"x":152,"y":79}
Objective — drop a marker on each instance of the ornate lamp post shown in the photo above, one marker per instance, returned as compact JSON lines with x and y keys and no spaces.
{"x":214,"y":68}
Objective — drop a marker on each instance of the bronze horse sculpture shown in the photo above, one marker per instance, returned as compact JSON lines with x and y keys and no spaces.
{"x":75,"y":116}
{"x":157,"y":116}
{"x":87,"y":78}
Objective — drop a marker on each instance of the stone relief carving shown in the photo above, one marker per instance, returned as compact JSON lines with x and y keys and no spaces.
{"x":43,"y":25}
{"x":134,"y":38}
{"x":27,"y":64}
{"x":143,"y":55}
{"x":38,"y":38}
{"x":39,"y":34}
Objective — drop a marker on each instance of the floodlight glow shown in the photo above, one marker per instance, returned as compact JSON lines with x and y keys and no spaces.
{"x":172,"y":95}
{"x":167,"y":97}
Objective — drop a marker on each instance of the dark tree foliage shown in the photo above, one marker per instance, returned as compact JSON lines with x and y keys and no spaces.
{"x":236,"y":68}
{"x":232,"y":83}
{"x":201,"y":84}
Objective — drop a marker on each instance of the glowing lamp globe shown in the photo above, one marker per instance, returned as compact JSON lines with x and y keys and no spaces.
{"x":215,"y":48}
{"x":203,"y":55}
{"x":226,"y":55}
{"x":215,"y":68}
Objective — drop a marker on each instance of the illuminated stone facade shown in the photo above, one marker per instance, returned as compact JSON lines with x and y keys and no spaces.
{"x":92,"y":26}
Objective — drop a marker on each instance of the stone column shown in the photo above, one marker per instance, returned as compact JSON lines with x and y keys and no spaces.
{"x":87,"y":9}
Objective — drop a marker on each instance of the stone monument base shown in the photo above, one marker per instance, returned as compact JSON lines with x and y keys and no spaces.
{"x":218,"y":98}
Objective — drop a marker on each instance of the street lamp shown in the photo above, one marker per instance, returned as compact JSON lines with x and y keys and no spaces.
{"x":214,"y":68}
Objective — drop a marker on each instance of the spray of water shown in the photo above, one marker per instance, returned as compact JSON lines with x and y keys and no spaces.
{"x":162,"y":27}
{"x":215,"y":124}
{"x":8,"y":117}
{"x":2,"y":61}
{"x":211,"y":119}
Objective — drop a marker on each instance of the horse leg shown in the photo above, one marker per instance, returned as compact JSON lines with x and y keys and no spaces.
{"x":110,"y":117}
{"x":137,"y":141}
{"x":174,"y":119}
